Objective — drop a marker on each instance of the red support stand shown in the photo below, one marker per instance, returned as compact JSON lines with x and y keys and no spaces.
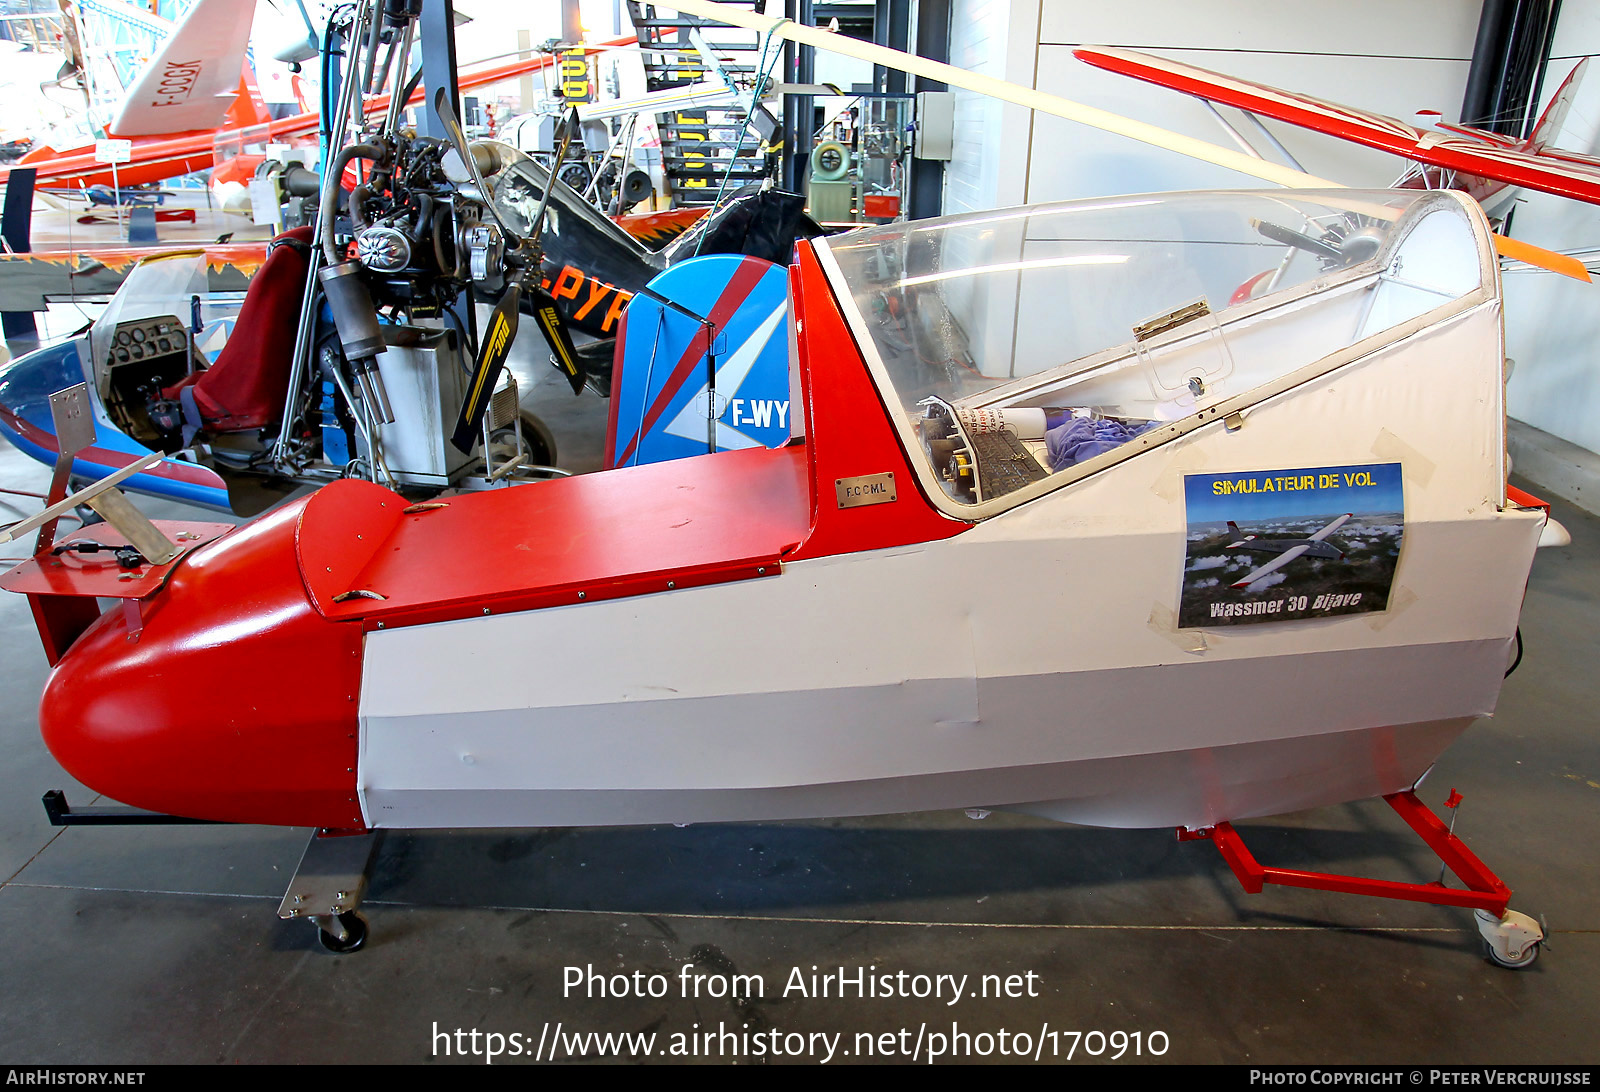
{"x":1484,"y":891}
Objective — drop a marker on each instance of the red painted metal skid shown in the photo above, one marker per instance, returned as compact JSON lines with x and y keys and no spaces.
{"x":629,"y":531}
{"x":1485,"y":891}
{"x":848,"y":432}
{"x":1523,"y":499}
{"x":1565,"y":176}
{"x":235,"y":701}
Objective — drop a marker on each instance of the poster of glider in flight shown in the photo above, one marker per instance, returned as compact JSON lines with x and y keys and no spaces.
{"x":1287,"y":545}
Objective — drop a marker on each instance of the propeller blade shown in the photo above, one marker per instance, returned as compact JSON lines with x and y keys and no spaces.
{"x":447,"y":114}
{"x":492,"y":354}
{"x":555,"y":332}
{"x":569,"y":128}
{"x":1554,"y":261}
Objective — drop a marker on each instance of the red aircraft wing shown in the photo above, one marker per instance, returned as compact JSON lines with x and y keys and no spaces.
{"x":1564,"y":174}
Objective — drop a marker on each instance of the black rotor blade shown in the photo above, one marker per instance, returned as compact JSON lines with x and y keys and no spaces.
{"x":492,"y":354}
{"x":554,"y":329}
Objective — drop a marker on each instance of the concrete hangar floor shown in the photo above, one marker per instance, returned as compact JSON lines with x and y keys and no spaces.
{"x":161,"y":944}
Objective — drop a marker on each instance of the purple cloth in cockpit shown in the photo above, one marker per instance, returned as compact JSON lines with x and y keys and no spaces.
{"x":1083,"y":438}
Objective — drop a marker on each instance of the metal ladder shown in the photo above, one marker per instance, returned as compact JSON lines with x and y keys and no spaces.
{"x":698,"y":145}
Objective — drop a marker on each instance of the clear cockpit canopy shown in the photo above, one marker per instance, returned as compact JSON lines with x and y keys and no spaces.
{"x":154,"y":287}
{"x":1036,"y":339}
{"x":170,"y":286}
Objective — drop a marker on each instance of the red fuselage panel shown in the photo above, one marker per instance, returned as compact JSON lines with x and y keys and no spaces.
{"x":237,"y":701}
{"x":624,"y":532}
{"x":238,"y":697}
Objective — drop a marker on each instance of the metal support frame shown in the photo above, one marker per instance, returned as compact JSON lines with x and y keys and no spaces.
{"x":711,"y":333}
{"x":1484,"y":892}
{"x":1509,"y":58}
{"x":799,"y":66}
{"x":437,"y":34}
{"x":73,"y":422}
{"x":62,"y":619}
{"x":891,"y":27}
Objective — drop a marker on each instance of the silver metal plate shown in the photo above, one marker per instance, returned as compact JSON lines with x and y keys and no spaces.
{"x":116,"y":509}
{"x":332,"y":877}
{"x":864,"y":489}
{"x":73,"y":420}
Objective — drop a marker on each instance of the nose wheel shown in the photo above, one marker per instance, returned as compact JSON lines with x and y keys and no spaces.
{"x":341,"y":933}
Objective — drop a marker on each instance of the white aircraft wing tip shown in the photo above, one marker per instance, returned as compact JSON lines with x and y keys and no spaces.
{"x":1330,"y":528}
{"x":175,"y":92}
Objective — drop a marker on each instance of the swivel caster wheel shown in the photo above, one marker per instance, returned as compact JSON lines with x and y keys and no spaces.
{"x":1525,"y":961}
{"x":1510,"y":940}
{"x":345,"y":933}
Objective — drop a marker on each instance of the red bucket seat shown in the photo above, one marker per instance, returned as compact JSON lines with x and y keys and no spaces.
{"x":246,"y":387}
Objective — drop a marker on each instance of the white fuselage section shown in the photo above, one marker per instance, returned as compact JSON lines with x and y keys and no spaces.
{"x":1033,"y":661}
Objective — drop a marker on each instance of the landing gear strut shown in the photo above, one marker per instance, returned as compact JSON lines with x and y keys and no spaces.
{"x":328,"y":888}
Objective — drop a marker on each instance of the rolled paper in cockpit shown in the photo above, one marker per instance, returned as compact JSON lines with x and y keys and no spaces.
{"x":1023,"y":422}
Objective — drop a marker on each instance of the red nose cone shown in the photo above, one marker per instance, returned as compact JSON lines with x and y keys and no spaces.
{"x":236,"y":701}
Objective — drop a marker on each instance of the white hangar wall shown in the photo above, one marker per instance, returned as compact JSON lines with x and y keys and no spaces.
{"x":1552,"y":323}
{"x":1419,"y":60}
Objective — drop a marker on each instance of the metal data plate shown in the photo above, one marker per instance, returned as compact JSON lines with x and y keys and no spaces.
{"x":864,"y":489}
{"x":74,"y":422}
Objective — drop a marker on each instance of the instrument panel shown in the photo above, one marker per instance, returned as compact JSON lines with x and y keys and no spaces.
{"x":147,"y":339}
